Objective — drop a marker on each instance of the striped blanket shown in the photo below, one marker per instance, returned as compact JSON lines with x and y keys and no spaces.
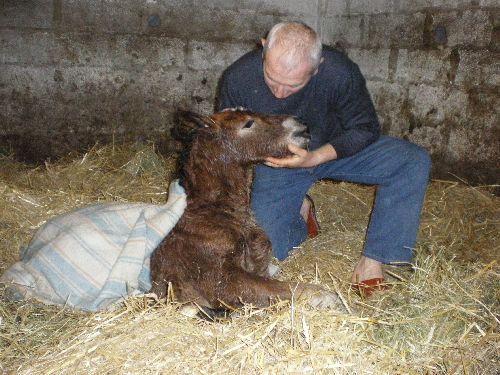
{"x":94,"y":256}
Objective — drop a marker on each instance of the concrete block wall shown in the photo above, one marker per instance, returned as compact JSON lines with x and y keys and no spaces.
{"x":433,"y":69}
{"x":73,"y":73}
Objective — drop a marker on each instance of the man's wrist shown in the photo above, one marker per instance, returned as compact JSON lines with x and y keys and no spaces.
{"x":324,"y":154}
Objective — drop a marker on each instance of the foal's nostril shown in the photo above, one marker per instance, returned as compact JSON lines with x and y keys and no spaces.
{"x":303,"y":134}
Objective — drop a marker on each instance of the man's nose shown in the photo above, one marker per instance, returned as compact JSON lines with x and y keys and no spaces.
{"x":279,"y":92}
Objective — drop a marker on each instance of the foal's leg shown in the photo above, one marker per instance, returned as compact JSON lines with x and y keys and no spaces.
{"x":243,"y":287}
{"x":257,"y":252}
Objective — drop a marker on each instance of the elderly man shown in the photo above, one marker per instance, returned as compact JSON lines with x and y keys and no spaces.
{"x":294,"y":75}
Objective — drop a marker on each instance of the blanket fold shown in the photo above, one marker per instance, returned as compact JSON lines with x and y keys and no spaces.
{"x":94,"y":256}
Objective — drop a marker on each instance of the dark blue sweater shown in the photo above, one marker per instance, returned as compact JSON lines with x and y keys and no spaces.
{"x":334,"y":104}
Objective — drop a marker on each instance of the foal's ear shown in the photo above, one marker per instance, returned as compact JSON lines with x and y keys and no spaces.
{"x":195,"y":119}
{"x":188,"y":124}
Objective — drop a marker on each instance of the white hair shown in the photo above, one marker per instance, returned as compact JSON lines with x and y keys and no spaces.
{"x":298,"y":40}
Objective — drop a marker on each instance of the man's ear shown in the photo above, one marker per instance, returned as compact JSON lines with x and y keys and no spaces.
{"x":320,"y":62}
{"x":263,"y":42}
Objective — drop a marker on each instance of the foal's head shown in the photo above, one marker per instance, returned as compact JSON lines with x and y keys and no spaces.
{"x":244,"y":136}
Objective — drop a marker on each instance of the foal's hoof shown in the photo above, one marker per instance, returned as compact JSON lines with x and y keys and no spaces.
{"x":190,"y":310}
{"x":324,"y":299}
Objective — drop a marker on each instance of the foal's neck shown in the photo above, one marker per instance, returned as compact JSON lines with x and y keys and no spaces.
{"x":214,"y":175}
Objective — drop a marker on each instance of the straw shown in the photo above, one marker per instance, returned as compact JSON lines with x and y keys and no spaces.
{"x":440,"y":316}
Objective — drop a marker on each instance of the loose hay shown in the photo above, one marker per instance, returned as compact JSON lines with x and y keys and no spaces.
{"x":441,"y":316}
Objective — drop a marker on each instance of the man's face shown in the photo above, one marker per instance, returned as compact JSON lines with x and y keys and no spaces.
{"x":281,"y":81}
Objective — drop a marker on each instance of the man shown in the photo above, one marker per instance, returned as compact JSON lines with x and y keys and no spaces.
{"x":293,"y":75}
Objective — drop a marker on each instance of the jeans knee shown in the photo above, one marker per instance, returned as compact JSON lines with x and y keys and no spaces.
{"x":419,"y":162}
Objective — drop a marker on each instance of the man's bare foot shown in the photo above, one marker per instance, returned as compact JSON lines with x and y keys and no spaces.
{"x":366,"y":269}
{"x":304,"y":209}
{"x":308,"y":213}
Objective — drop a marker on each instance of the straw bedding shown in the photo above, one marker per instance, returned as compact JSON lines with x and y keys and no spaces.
{"x":440,"y":317}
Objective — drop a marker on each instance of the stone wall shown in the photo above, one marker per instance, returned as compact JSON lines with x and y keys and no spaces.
{"x":433,"y":69}
{"x":73,"y":73}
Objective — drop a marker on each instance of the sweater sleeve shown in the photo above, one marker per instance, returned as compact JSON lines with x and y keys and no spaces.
{"x":357,"y":116}
{"x":227,"y":96}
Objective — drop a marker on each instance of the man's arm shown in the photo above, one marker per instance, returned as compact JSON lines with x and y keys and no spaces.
{"x":226,"y":98}
{"x":359,"y":121}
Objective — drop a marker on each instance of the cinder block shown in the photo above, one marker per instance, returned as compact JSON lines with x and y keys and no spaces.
{"x":468,"y":28}
{"x":127,"y":51}
{"x":287,"y":7}
{"x":26,"y":47}
{"x":78,"y":83}
{"x":90,"y":50}
{"x":26,"y":14}
{"x":201,"y":86}
{"x":410,"y":6}
{"x":390,"y":100}
{"x":374,"y":63}
{"x":452,"y":4}
{"x":348,"y":30}
{"x":433,"y":105}
{"x":388,"y":97}
{"x":433,"y":139}
{"x":153,"y":52}
{"x":334,"y":8}
{"x":111,"y":16}
{"x":489,"y":3}
{"x":86,"y":49}
{"x":478,"y":68}
{"x":201,"y":89}
{"x":476,"y":143}
{"x":80,"y":16}
{"x":91,"y":91}
{"x":156,"y":3}
{"x":395,"y":30}
{"x":429,"y":66}
{"x":371,"y":6}
{"x":165,"y":85}
{"x":121,"y":16}
{"x":204,"y":55}
{"x":213,"y":25}
{"x":37,"y":81}
{"x":311,"y":20}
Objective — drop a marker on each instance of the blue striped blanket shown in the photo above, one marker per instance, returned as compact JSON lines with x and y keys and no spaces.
{"x":95,"y":256}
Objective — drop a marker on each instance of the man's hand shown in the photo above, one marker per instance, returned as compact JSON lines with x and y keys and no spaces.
{"x":302,"y":158}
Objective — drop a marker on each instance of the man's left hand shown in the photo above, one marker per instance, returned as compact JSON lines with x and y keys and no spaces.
{"x":302,"y":158}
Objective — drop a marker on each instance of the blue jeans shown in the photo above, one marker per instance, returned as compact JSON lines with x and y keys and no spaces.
{"x":399,"y":169}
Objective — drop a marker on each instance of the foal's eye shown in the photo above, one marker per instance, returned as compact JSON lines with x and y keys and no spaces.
{"x":248,"y":124}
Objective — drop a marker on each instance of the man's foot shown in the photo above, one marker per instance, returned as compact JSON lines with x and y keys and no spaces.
{"x":367,"y":277}
{"x":367,"y":269}
{"x":308,"y":212}
{"x":366,"y":288}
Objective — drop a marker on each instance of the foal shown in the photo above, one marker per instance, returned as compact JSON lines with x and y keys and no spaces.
{"x":217,"y":256}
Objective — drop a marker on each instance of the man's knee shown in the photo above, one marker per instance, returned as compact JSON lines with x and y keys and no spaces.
{"x":419,"y":162}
